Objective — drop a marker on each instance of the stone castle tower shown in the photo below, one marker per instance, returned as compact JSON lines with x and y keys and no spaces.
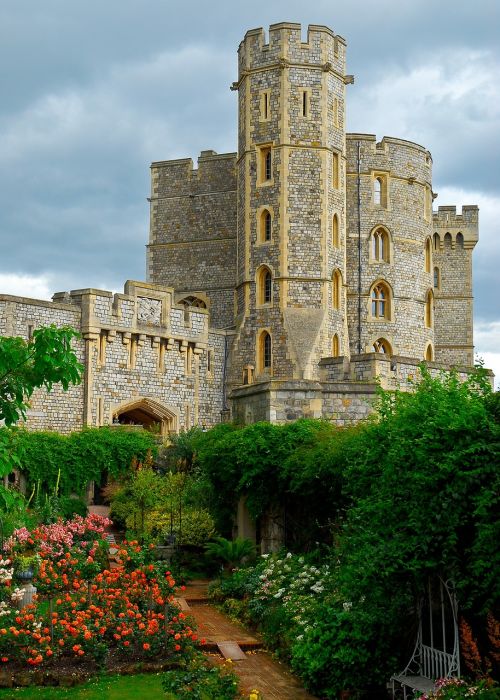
{"x":285,"y":280}
{"x":310,"y":245}
{"x":291,"y":263}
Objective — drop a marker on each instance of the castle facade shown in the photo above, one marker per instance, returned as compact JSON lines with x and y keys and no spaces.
{"x":283,"y":280}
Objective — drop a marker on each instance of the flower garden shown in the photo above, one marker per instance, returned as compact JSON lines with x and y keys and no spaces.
{"x":86,"y":614}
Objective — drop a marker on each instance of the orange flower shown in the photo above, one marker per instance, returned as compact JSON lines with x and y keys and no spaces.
{"x":177,"y":647}
{"x":146,"y":646}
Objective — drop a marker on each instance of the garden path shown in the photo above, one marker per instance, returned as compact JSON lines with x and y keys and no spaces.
{"x":258,"y":669}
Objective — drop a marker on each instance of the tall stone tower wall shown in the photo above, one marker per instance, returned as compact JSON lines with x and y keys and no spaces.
{"x":400,"y":213}
{"x":192,"y":239}
{"x":291,"y":112}
{"x":455,"y":236}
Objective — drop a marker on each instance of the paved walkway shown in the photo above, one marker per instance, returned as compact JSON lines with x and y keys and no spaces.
{"x":258,"y":670}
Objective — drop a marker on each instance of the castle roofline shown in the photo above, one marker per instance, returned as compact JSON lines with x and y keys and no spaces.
{"x":204,"y":155}
{"x":387,"y":139}
{"x":38,"y":302}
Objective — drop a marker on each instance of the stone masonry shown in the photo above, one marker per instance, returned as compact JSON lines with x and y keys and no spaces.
{"x":284,"y":280}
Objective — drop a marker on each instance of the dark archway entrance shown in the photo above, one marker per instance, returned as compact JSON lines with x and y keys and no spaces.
{"x":147,"y":413}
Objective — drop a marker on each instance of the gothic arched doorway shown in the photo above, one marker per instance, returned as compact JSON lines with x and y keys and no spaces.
{"x":148,"y":413}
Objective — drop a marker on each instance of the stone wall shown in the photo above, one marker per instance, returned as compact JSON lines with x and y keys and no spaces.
{"x":192,"y":240}
{"x":141,"y":352}
{"x":405,"y":215}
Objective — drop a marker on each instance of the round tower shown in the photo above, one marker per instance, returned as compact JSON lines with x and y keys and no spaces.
{"x":389,"y":247}
{"x":291,"y":263}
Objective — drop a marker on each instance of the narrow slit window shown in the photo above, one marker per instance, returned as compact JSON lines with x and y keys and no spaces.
{"x":266,"y":351}
{"x":335,"y":346}
{"x":268,"y":165}
{"x":336,"y":178}
{"x":436,"y":278}
{"x":265,"y":226}
{"x":305,"y":105}
{"x":266,"y":105}
{"x":335,"y":231}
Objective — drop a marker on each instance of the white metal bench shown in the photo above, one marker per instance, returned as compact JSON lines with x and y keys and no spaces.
{"x":436,"y":653}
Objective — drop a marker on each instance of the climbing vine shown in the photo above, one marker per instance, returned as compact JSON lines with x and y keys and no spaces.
{"x":72,"y":461}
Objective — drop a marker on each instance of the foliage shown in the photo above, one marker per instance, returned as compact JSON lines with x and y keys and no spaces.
{"x":43,"y":361}
{"x":412,"y":493}
{"x":251,"y":462}
{"x":230,"y":552}
{"x":162,"y":505}
{"x":193,"y":526}
{"x":456,"y":689}
{"x":202,"y":681}
{"x":72,"y":461}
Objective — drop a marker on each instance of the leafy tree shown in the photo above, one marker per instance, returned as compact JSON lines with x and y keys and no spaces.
{"x":43,"y":361}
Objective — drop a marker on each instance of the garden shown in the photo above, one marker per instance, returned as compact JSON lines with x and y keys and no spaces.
{"x":356,"y":520}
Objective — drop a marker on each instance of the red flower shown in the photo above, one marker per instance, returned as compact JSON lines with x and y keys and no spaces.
{"x":146,"y":646}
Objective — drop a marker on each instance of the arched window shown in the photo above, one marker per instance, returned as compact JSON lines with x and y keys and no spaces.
{"x":335,"y":346}
{"x":264,"y":286}
{"x":429,"y":309}
{"x":336,"y":289}
{"x":380,"y":300}
{"x":381,"y":345}
{"x":437,"y":241}
{"x":460,"y":240}
{"x":428,"y":255}
{"x":335,"y":232}
{"x":377,"y":191}
{"x":429,"y":353}
{"x":265,"y":357}
{"x":437,"y":278}
{"x":266,"y":222}
{"x":380,"y":248}
{"x":447,"y":240}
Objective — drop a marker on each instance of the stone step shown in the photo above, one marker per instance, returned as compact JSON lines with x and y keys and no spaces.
{"x":231,"y":650}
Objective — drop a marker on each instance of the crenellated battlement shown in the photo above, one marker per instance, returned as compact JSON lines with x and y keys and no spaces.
{"x":323,"y":48}
{"x":448,"y":225}
{"x":447,"y":217}
{"x":215,"y":171}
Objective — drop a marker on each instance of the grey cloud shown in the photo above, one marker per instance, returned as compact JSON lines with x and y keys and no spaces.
{"x":96,"y":90}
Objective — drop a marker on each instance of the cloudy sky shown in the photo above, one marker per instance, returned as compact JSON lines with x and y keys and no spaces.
{"x":94,"y":90}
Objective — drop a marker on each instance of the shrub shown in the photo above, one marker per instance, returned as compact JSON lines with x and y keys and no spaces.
{"x":201,"y":681}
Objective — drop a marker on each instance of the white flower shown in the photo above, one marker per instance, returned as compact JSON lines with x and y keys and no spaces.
{"x":289,"y":555}
{"x":347,"y":605}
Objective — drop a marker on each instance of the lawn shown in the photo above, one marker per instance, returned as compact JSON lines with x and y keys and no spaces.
{"x":104,"y":688}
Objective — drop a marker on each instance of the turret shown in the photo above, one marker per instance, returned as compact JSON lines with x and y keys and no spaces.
{"x":455,"y":236}
{"x":291,"y":202}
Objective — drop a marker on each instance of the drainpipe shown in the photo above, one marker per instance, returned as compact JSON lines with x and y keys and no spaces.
{"x":359,"y":247}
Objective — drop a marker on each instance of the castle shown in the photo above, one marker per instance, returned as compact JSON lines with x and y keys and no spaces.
{"x":284,"y":280}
